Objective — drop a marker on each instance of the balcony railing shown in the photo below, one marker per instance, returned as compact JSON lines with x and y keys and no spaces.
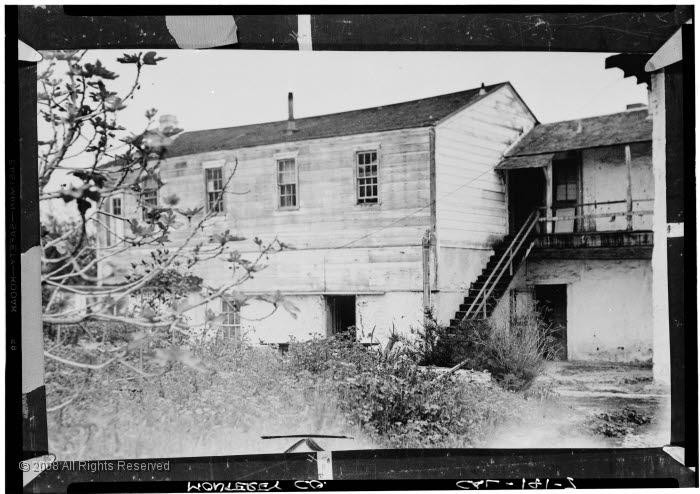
{"x":600,"y":216}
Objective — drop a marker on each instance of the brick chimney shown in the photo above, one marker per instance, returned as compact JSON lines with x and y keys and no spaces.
{"x":291,"y":124}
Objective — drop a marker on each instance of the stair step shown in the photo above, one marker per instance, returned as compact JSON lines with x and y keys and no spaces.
{"x":455,"y":323}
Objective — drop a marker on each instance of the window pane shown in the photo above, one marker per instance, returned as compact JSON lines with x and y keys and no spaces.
{"x":561,"y":192}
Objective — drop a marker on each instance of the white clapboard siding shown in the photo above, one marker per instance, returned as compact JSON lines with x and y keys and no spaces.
{"x":470,"y":205}
{"x":339,"y":245}
{"x":470,"y":209}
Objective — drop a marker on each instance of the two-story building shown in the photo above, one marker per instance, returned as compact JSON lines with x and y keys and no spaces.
{"x":395,"y":208}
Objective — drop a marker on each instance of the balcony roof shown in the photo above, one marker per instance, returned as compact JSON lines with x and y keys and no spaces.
{"x":606,"y":130}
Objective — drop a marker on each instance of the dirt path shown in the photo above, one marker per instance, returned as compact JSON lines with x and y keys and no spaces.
{"x":583,"y":404}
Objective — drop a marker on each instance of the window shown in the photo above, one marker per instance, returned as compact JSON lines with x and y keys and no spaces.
{"x":113,"y":223}
{"x":367,"y":177}
{"x":149,"y":200}
{"x":117,"y":206}
{"x":287,"y":183}
{"x":214,"y":180}
{"x":231,"y":325}
{"x":566,"y":181}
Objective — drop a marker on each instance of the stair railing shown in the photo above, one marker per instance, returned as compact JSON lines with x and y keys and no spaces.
{"x":506,"y":261}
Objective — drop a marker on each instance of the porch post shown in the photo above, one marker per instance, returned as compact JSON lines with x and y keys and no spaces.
{"x":628,"y":162}
{"x":549,"y":197}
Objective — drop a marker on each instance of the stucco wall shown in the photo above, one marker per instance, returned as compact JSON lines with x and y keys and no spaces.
{"x":605,"y":179}
{"x":379,"y":314}
{"x":609,"y":305}
{"x":375,"y":315}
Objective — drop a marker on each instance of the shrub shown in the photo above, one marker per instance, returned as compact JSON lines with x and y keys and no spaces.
{"x":401,"y":404}
{"x":514,"y":354}
{"x":336,"y":355}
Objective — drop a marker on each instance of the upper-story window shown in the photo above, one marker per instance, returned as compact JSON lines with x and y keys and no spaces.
{"x":214,"y":180}
{"x":113,"y":224}
{"x":287,"y":181}
{"x":367,"y":177}
{"x":231,"y":324}
{"x":149,"y":197}
{"x":117,"y":206}
{"x":566,"y":181}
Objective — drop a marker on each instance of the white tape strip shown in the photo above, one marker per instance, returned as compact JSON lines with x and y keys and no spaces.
{"x":304,"y":32}
{"x":324,"y":461}
{"x":202,"y":31}
{"x":674,"y":230}
{"x":32,"y":328}
{"x":26,"y":53}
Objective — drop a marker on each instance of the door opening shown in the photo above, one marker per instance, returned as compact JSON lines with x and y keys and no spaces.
{"x":526,"y":191}
{"x":551,"y":302}
{"x":340,"y":310}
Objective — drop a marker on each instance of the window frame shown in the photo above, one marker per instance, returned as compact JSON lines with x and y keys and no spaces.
{"x":572,"y":165}
{"x":143,"y":200}
{"x":225,"y":327}
{"x":372,"y":148}
{"x":113,"y":227}
{"x":210,"y":165}
{"x":297,"y":196}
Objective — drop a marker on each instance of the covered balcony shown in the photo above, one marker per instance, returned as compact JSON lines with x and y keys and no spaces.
{"x":597,"y":230}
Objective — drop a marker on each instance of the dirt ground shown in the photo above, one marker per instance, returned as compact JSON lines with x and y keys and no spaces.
{"x":585,"y":404}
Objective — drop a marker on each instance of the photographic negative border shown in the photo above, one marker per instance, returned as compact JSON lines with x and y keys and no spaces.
{"x":553,"y":28}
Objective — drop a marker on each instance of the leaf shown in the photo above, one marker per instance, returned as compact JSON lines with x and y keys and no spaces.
{"x":83,"y":206}
{"x":97,"y":70}
{"x":148,"y":314}
{"x":128,"y":58}
{"x":290,"y":307}
{"x":114,"y":103}
{"x":150,"y":58}
{"x":171,"y":200}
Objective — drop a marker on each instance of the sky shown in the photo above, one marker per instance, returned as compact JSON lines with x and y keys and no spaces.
{"x":224,"y":88}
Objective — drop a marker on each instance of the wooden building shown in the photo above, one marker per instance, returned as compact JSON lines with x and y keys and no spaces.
{"x":461,"y":203}
{"x":354,"y":194}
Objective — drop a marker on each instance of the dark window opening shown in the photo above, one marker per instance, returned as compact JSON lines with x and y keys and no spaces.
{"x":341,"y":315}
{"x":551,"y":302}
{"x":566,"y":181}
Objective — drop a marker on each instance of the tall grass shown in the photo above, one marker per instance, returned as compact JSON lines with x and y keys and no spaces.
{"x":380,"y":399}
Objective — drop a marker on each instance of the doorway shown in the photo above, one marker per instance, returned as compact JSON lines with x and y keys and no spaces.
{"x":551,"y":302}
{"x":526,"y":191}
{"x":340,"y":313}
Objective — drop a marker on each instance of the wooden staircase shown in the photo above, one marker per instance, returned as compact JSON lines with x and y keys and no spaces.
{"x":492,"y":283}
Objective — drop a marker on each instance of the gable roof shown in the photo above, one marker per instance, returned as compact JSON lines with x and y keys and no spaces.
{"x":605,"y":130}
{"x":410,"y":114}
